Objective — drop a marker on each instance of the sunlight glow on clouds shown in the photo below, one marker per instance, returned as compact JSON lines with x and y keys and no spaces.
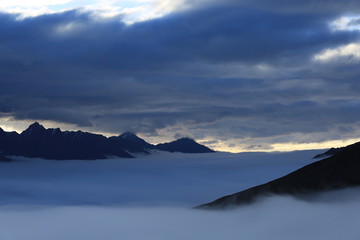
{"x":133,"y":11}
{"x":346,"y":23}
{"x":242,"y":145}
{"x":32,"y":8}
{"x":347,"y":54}
{"x":32,"y":3}
{"x":315,"y":145}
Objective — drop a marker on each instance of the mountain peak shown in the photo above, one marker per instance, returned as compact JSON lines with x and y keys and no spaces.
{"x":185,"y":139}
{"x":36,"y":125}
{"x":52,"y":143}
{"x":133,"y":143}
{"x":128,"y":135}
{"x":34,"y":128}
{"x":185,"y":145}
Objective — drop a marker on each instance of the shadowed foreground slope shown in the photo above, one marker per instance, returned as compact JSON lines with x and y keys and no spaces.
{"x":336,"y":172}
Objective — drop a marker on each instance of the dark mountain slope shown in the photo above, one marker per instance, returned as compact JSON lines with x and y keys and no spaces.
{"x":36,"y":141}
{"x":329,"y":153}
{"x":184,"y":145}
{"x":336,"y":172}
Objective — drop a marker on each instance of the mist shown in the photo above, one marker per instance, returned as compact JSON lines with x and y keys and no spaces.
{"x":162,"y":179}
{"x":272,"y":218}
{"x":152,"y":197}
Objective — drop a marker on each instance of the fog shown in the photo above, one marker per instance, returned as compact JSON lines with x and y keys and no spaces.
{"x":273,"y":218}
{"x":152,"y":198}
{"x":162,"y":179}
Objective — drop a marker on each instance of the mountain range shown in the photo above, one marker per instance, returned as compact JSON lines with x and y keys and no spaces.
{"x":336,"y":172}
{"x":52,"y":143}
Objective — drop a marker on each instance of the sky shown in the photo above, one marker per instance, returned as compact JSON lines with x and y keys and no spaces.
{"x":235,"y":75}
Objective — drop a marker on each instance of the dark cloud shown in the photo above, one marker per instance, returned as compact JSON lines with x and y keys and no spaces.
{"x":314,"y":6}
{"x":259,"y":147}
{"x":217,"y":71}
{"x":211,"y":35}
{"x":354,"y":22}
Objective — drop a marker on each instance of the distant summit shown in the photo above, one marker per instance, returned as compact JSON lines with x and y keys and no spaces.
{"x":132,"y":143}
{"x":52,"y":143}
{"x":34,"y":129}
{"x":184,"y":145}
{"x":336,"y":172}
{"x":128,"y":135}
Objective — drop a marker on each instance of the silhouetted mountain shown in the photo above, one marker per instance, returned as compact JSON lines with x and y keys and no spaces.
{"x":8,"y":141}
{"x":184,"y":145}
{"x":132,"y":143}
{"x":37,"y":141}
{"x":329,"y":153}
{"x":336,"y":172}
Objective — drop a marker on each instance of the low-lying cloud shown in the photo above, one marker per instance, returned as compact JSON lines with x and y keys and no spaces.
{"x":273,"y":218}
{"x":152,"y":198}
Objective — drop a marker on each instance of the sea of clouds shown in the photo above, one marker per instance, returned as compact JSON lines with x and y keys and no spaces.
{"x":151,"y":197}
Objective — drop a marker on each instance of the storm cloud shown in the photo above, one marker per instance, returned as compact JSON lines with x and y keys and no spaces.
{"x":249,"y":70}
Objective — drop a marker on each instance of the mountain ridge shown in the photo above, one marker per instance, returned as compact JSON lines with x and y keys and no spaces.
{"x":336,"y":172}
{"x":329,"y":153}
{"x":52,"y":143}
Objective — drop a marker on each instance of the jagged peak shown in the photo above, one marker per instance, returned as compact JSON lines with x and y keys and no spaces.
{"x":35,"y":127}
{"x":55,"y":131}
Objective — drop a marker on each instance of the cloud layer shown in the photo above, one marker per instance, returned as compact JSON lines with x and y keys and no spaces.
{"x":256,"y":72}
{"x":151,"y":198}
{"x":278,"y":218}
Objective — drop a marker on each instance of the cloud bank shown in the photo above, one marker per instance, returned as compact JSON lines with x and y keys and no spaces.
{"x":276,"y":218}
{"x":257,"y":72}
{"x":152,"y":198}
